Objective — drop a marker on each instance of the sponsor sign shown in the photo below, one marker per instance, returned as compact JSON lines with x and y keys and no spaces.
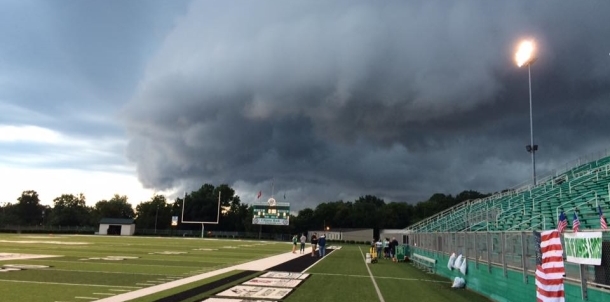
{"x":234,"y":300}
{"x":285,"y":275}
{"x":583,"y":247}
{"x":270,"y":221}
{"x":243,"y":291}
{"x":274,"y":282}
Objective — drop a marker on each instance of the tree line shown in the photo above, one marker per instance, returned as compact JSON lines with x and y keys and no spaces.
{"x":201,"y":205}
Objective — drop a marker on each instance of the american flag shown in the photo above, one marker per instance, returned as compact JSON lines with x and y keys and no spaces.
{"x":575,"y":223}
{"x":563,"y":222}
{"x":602,"y":219}
{"x":549,"y":267}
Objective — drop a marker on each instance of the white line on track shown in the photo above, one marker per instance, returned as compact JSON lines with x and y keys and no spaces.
{"x":318,"y":261}
{"x":372,"y":278}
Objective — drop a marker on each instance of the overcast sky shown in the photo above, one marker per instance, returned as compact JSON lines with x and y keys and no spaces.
{"x":328,"y":100}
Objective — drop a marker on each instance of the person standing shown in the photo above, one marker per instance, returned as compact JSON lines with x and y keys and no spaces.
{"x":393,"y":247}
{"x":322,"y":245}
{"x":378,"y":247}
{"x":314,"y":244}
{"x":294,"y":244}
{"x":386,"y":248}
{"x":303,"y":241}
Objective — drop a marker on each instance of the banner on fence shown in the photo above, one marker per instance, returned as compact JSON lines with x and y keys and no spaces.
{"x":583,"y":247}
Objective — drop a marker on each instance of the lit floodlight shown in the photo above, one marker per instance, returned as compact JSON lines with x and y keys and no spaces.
{"x":525,"y":53}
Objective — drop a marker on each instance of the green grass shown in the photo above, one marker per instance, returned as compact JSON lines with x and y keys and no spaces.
{"x":341,"y":276}
{"x":70,"y":276}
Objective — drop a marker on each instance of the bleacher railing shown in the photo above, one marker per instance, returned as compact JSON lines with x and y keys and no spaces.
{"x":550,"y":178}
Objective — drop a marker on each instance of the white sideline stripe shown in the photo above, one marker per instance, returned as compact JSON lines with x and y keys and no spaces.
{"x":372,"y":278}
{"x":71,"y":284}
{"x":256,"y":265}
{"x":318,"y":261}
{"x":147,"y":284}
{"x":104,"y":294}
{"x":86,"y":298}
{"x":119,"y":290}
{"x":382,"y":277}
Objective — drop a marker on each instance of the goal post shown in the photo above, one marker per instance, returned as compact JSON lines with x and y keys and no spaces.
{"x":202,"y":222}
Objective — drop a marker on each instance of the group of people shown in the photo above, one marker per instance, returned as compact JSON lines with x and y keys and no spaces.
{"x":318,"y":243}
{"x":386,"y":247}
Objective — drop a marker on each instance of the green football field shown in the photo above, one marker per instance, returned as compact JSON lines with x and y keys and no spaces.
{"x":89,"y":268}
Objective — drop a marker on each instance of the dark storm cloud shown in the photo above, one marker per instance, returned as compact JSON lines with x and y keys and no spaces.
{"x":399,"y":99}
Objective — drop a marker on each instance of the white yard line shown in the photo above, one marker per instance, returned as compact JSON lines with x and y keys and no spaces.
{"x":70,"y":284}
{"x":372,"y":278}
{"x":256,"y":265}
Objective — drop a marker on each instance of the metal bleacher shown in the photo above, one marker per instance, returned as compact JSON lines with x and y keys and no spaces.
{"x":579,"y":190}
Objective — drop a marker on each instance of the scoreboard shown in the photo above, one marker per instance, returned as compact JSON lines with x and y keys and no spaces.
{"x":271,"y":213}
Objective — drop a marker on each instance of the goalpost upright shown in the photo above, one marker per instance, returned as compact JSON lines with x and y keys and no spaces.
{"x":202,"y":222}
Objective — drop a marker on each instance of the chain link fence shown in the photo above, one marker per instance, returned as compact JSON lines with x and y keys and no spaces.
{"x":511,"y":250}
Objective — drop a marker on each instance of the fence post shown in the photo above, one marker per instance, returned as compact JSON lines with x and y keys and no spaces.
{"x":476,"y":251}
{"x":583,"y":281}
{"x":524,"y":257}
{"x":489,"y":247}
{"x":503,"y":247}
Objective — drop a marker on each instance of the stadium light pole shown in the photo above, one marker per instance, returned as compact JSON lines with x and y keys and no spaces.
{"x":525,"y":56}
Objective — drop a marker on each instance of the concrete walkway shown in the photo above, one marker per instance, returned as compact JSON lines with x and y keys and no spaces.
{"x":256,"y":265}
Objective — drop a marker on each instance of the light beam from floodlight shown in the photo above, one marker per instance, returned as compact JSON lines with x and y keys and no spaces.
{"x":525,"y":53}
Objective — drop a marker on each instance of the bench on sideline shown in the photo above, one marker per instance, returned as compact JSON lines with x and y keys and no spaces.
{"x":424,"y":262}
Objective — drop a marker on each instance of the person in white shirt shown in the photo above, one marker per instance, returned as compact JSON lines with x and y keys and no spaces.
{"x":303,"y":241}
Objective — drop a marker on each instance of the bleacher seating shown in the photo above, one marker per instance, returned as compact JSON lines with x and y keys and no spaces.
{"x":579,"y":190}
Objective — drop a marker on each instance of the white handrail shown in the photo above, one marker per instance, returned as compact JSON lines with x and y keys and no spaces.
{"x":567,"y":202}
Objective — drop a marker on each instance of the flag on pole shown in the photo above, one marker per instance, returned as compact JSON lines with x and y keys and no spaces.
{"x":563,"y":222}
{"x":260,"y":193}
{"x":602,"y":219}
{"x":549,"y":267}
{"x":575,"y":223}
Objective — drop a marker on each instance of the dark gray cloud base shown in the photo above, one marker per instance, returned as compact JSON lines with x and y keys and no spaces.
{"x":401,"y":100}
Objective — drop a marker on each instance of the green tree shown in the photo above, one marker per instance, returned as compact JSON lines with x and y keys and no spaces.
{"x":29,"y":210}
{"x":155,"y":213}
{"x":116,"y":207}
{"x":9,"y":215}
{"x":70,"y":210}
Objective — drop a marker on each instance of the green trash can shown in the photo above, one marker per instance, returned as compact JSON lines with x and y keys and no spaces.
{"x":401,"y":252}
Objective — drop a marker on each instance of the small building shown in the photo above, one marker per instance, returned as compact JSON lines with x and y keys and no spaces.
{"x":401,"y":235}
{"x":117,"y":226}
{"x":357,"y":235}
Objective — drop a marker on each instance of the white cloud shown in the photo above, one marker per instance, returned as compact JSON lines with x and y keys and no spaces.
{"x":51,"y":183}
{"x":53,"y":163}
{"x":28,"y":133}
